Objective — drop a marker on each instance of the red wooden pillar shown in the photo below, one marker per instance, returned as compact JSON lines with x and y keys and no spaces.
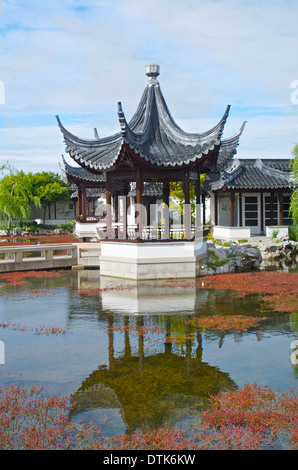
{"x":198,"y":200}
{"x":280,"y":203}
{"x":108,"y":205}
{"x":262,"y":212}
{"x":271,"y":207}
{"x":166,"y":211}
{"x":240,"y":209}
{"x":139,"y":191}
{"x":84,"y":203}
{"x":80,"y":202}
{"x":187,"y":212}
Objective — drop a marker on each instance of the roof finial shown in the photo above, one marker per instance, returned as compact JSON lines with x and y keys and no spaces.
{"x":152,"y":70}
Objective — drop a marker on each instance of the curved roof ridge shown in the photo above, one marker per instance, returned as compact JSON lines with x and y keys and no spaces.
{"x":92,"y":142}
{"x":153,"y":134}
{"x":259,"y":163}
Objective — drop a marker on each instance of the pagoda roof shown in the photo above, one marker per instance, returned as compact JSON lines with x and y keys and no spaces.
{"x":152,"y":134}
{"x":251,"y":174}
{"x":77,"y":174}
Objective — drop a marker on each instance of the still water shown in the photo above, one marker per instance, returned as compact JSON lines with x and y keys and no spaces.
{"x":138,"y":381}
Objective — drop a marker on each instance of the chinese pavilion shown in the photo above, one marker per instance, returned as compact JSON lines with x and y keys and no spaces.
{"x":147,"y":154}
{"x":150,"y":149}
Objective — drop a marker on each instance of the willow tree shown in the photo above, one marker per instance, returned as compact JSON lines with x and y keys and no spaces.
{"x":16,"y":196}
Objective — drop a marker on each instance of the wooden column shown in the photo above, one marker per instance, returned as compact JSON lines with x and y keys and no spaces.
{"x":79,"y":201}
{"x":271,"y":207}
{"x":215,"y":209}
{"x":280,"y":203}
{"x":262,"y":212}
{"x":198,"y":201}
{"x":139,"y":191}
{"x":166,"y":212}
{"x":204,"y":209}
{"x":84,"y":204}
{"x":187,"y":212}
{"x":232,"y":203}
{"x":108,"y":205}
{"x":240,"y":209}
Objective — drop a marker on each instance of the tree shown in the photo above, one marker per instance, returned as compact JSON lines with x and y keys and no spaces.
{"x":294,"y":197}
{"x":49,"y":187}
{"x":16,"y":195}
{"x":176,"y":191}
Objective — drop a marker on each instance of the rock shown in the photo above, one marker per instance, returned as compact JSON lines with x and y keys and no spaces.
{"x":278,"y":250}
{"x":236,"y":258}
{"x":4,"y":233}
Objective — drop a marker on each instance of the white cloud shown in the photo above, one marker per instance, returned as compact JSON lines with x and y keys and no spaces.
{"x":77,"y":59}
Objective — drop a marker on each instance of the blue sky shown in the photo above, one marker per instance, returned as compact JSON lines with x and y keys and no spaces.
{"x":78,"y":58}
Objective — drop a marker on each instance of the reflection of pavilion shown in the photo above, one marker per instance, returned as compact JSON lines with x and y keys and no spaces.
{"x":151,"y":389}
{"x":148,"y":297}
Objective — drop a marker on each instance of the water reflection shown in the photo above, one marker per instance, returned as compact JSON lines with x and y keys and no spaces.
{"x":150,"y":389}
{"x":149,"y":378}
{"x":131,"y":350}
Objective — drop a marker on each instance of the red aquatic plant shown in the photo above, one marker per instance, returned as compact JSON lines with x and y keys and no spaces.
{"x":279,"y":290}
{"x":44,"y":330}
{"x":246,"y":419}
{"x":258,"y":409}
{"x":224,"y":323}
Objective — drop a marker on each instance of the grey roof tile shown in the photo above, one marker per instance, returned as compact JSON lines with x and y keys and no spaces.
{"x":153,"y":134}
{"x":251,"y":174}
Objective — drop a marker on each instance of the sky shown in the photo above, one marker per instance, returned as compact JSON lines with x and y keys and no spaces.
{"x":78,"y":58}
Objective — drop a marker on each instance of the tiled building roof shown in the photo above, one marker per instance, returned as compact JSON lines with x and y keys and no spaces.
{"x":251,"y":174}
{"x":153,"y":135}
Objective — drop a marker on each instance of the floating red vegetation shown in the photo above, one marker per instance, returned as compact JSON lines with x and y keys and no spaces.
{"x":261,"y":282}
{"x":280,"y":289}
{"x":250,"y":418}
{"x":43,"y":330}
{"x":257,"y":408}
{"x":226,"y":323}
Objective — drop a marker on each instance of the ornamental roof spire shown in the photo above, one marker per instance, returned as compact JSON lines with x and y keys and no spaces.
{"x":152,"y":71}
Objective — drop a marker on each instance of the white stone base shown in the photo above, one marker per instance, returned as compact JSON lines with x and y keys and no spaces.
{"x":283,"y":231}
{"x":86,"y":230}
{"x":231,"y":233}
{"x":151,"y":260}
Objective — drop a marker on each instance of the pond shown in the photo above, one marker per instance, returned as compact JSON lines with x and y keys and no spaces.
{"x":130,"y":353}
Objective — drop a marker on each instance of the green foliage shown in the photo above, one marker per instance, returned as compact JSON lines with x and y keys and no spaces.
{"x":215,"y":262}
{"x":293,"y":232}
{"x":294,"y":197}
{"x":16,"y":195}
{"x":68,"y":226}
{"x":49,"y":187}
{"x":176,"y":191}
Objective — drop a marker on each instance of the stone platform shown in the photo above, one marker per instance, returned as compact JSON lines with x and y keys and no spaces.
{"x":151,"y":260}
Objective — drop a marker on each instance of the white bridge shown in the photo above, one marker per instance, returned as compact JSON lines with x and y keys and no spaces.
{"x":50,"y":256}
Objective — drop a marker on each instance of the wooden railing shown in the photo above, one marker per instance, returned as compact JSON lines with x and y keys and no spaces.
{"x":149,"y":233}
